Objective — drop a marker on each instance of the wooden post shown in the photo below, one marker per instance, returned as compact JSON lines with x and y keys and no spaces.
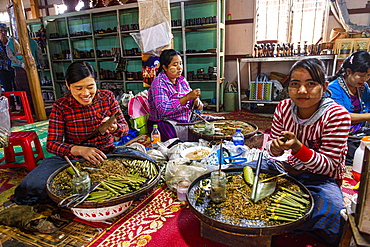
{"x":29,"y":60}
{"x":35,"y":11}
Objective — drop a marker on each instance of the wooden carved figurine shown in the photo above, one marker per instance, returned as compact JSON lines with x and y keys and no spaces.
{"x":255,"y":50}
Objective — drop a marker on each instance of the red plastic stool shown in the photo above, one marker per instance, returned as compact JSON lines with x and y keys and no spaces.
{"x":27,"y":113}
{"x":23,"y":139}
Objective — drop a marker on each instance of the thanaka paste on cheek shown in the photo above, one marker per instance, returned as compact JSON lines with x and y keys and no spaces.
{"x":172,"y":69}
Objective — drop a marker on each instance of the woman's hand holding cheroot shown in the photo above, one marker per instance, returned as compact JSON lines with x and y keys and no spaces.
{"x":287,"y":141}
{"x":112,"y":128}
{"x":198,"y":104}
{"x":193,"y":94}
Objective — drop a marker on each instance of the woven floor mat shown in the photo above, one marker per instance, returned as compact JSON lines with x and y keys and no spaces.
{"x":73,"y":234}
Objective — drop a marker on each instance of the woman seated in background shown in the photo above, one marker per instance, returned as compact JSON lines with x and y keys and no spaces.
{"x":170,"y":98}
{"x":72,"y":119}
{"x":315,"y":130}
{"x":350,"y":89}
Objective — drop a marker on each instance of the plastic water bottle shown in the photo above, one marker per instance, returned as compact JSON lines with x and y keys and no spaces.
{"x":155,"y":137}
{"x":238,"y":138}
{"x":359,"y":158}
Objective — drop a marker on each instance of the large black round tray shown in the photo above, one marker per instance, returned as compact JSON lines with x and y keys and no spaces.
{"x":113,"y":201}
{"x":250,"y":227}
{"x":220,"y":137}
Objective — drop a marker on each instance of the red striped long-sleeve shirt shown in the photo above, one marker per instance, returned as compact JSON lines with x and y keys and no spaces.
{"x":324,"y":142}
{"x":70,"y":122}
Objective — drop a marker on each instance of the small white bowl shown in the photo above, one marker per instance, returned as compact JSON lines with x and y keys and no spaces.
{"x":195,"y":149}
{"x":101,"y":214}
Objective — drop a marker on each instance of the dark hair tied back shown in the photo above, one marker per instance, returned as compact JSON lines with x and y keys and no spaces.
{"x":358,"y":61}
{"x":79,"y":70}
{"x":314,"y":66}
{"x":166,"y":58}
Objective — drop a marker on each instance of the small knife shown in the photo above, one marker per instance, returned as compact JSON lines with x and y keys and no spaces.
{"x":102,"y":128}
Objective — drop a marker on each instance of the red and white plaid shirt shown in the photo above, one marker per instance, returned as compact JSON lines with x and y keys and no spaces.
{"x":70,"y":122}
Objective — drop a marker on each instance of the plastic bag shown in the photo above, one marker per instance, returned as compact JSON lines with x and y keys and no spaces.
{"x":124,"y":98}
{"x":182,"y":169}
{"x":157,"y":155}
{"x":132,"y":133}
{"x":156,"y":37}
{"x":153,"y":15}
{"x":4,"y":122}
{"x":175,"y":151}
{"x":278,"y":88}
{"x":139,"y":42}
{"x":138,"y":110}
{"x":231,"y":155}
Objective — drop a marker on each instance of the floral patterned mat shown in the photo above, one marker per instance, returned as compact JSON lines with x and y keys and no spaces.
{"x":158,"y":220}
{"x":158,"y":217}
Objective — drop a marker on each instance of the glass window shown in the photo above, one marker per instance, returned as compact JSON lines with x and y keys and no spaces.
{"x":290,"y":20}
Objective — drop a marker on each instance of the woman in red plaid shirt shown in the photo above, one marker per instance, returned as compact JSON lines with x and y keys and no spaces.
{"x":72,"y":119}
{"x":78,"y":114}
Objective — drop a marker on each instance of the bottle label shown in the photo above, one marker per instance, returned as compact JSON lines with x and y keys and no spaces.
{"x":155,"y":138}
{"x":238,"y":142}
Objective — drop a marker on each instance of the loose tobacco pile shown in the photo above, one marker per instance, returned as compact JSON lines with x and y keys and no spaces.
{"x":286,"y":204}
{"x":227,"y":127}
{"x":117,"y":177}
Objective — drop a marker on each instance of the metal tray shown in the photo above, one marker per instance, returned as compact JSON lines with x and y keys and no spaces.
{"x":220,"y":137}
{"x":110,"y":202}
{"x":252,"y":227}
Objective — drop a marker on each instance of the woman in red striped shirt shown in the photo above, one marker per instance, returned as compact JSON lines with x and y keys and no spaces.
{"x":316,"y":131}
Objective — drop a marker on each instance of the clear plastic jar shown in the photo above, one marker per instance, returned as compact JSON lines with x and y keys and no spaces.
{"x":80,"y":184}
{"x":218,"y":186}
{"x":209,"y":129}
